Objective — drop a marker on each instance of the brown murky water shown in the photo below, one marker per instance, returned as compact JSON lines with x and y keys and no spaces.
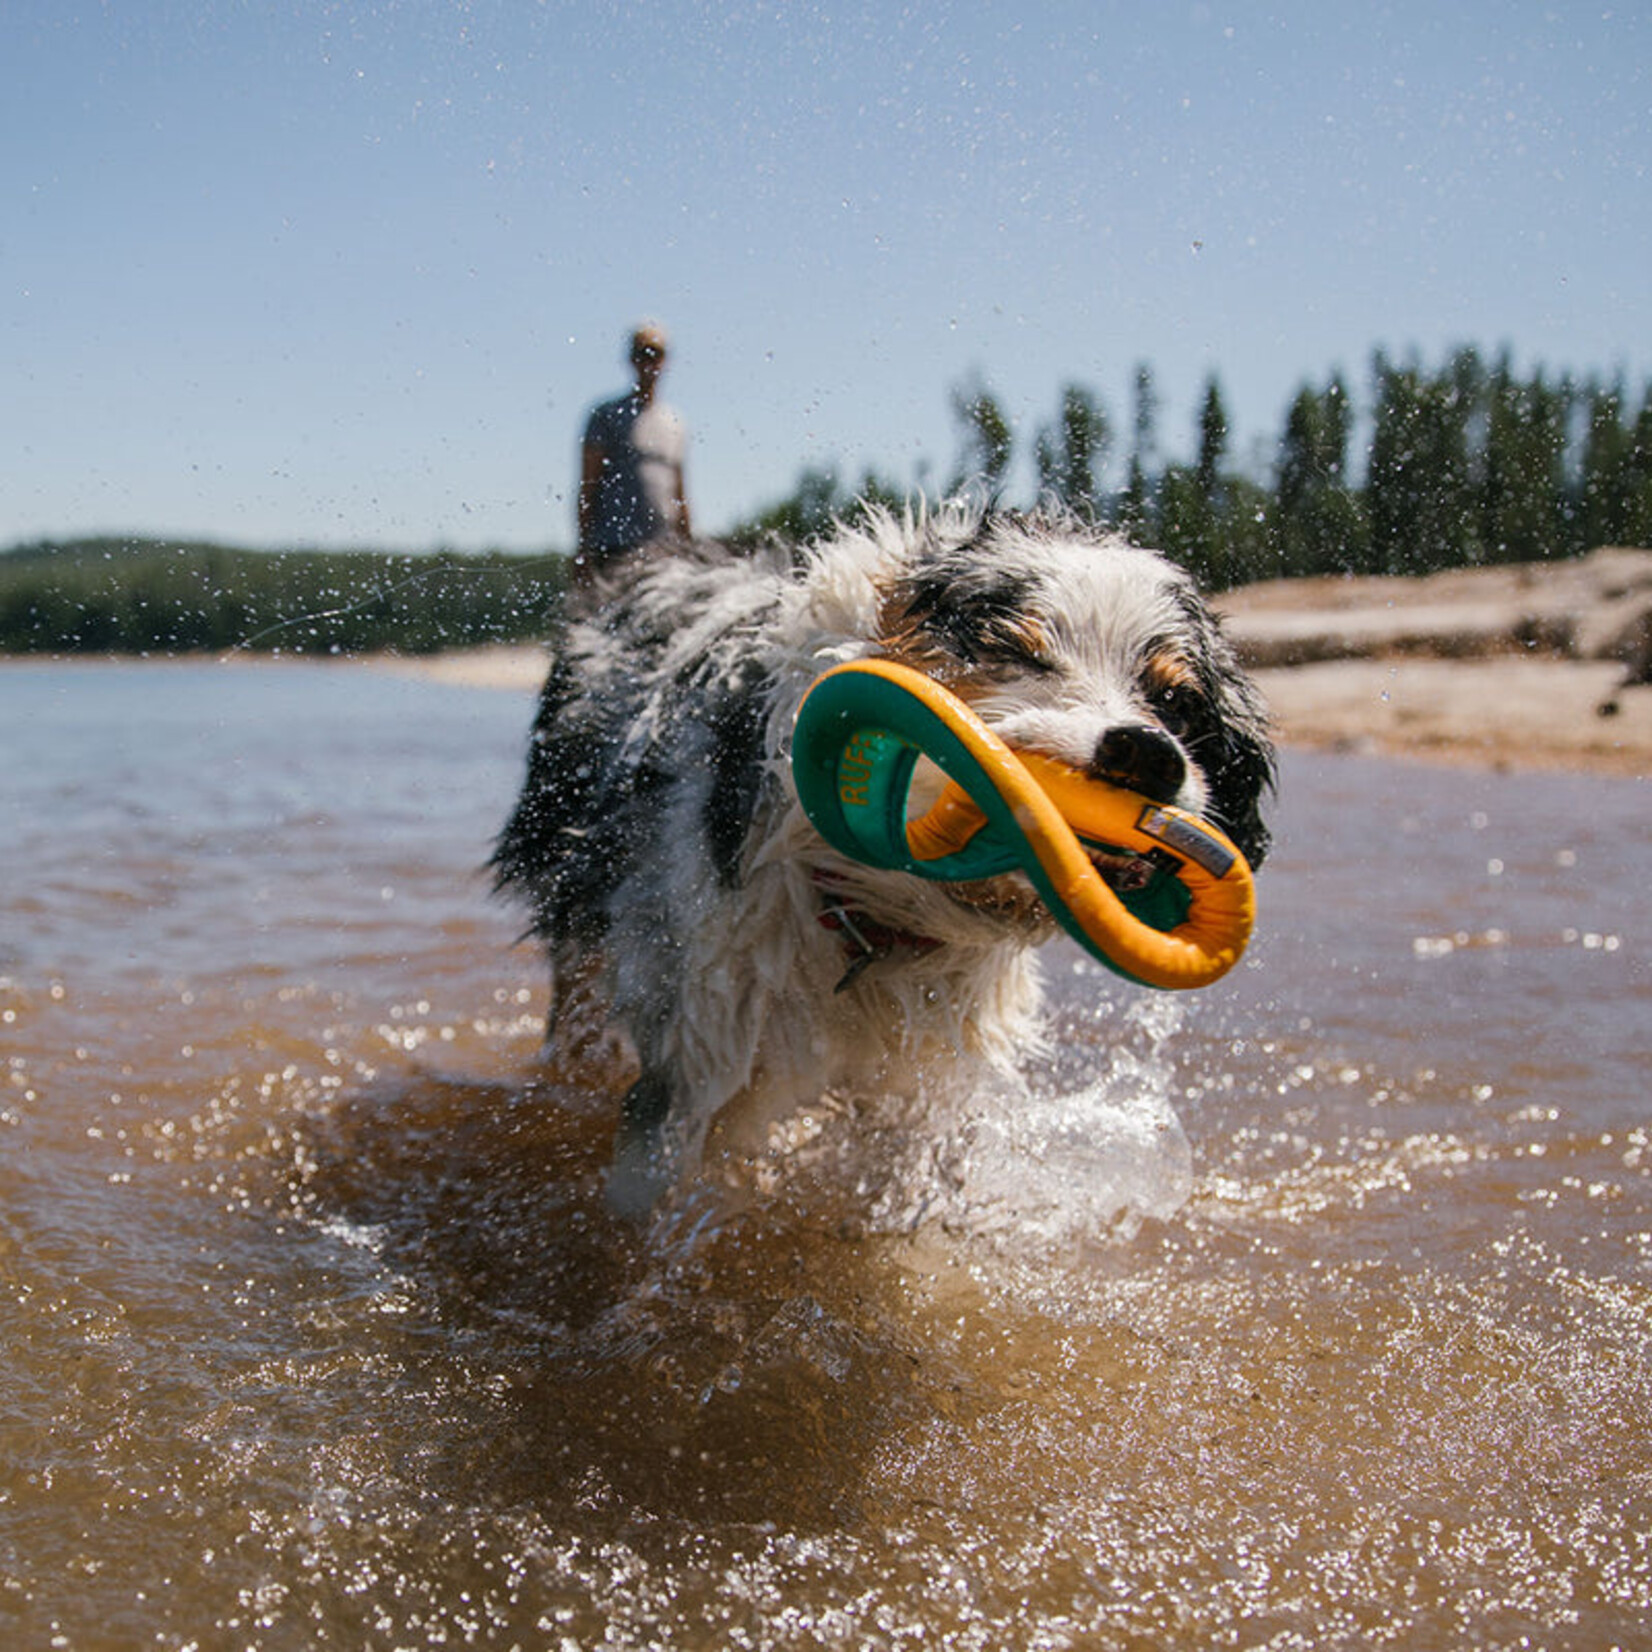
{"x":1313,"y":1312}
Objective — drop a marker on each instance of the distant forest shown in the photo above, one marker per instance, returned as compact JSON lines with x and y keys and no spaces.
{"x":138,"y":596}
{"x":1463,"y":465}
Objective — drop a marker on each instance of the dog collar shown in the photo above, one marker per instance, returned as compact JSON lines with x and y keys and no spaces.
{"x":865,"y":940}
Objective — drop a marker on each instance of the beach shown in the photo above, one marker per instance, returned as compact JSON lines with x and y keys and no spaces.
{"x":1493,"y":668}
{"x":1517,"y":667}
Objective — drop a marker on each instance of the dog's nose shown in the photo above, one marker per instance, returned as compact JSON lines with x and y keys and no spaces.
{"x":1145,"y":760}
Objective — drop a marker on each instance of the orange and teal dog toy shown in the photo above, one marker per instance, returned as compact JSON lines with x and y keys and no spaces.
{"x":862,"y":728}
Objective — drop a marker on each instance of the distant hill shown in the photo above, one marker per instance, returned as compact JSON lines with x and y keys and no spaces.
{"x":142,"y":596}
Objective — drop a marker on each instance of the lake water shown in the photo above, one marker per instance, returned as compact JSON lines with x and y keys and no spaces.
{"x":1310,"y":1311}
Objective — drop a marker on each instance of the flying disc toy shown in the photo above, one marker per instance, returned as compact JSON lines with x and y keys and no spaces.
{"x":860,"y":732}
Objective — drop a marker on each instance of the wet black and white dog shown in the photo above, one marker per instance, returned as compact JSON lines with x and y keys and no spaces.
{"x":672,"y":875}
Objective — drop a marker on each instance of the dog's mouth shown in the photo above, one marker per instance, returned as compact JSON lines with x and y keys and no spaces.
{"x":1122,"y":872}
{"x":1011,"y":898}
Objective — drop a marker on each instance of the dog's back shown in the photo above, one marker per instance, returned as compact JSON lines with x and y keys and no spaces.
{"x":656,"y":684}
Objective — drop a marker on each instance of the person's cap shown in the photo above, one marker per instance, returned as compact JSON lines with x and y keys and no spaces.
{"x":648,"y":339}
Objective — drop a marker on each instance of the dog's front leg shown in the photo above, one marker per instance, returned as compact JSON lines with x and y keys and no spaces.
{"x":641,"y":1168}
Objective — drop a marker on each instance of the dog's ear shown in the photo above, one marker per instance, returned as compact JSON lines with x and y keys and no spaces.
{"x":956,"y":602}
{"x":1240,"y":769}
{"x":1232,"y":743}
{"x":565,"y":845}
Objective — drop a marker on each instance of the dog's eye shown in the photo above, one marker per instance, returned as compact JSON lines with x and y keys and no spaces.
{"x":1012,"y":642}
{"x":1175,"y":704}
{"x":1012,"y":648}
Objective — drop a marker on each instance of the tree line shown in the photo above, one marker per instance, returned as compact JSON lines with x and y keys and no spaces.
{"x":1465,"y":464}
{"x":122,"y":596}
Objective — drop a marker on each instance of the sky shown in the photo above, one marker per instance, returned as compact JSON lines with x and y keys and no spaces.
{"x":284,"y":272}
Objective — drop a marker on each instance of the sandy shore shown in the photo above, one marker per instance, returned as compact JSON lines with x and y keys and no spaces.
{"x":1506,"y":713}
{"x":502,"y":666}
{"x":1504,"y":667}
{"x":1494,"y":668}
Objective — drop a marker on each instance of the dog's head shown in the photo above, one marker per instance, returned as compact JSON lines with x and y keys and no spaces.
{"x":1069,"y":642}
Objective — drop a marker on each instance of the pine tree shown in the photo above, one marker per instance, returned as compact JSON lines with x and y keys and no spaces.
{"x":1615,"y":482}
{"x":1213,"y":442}
{"x":1522,"y":468}
{"x":1419,"y":490}
{"x":1317,"y":525}
{"x":987,"y":441}
{"x":1072,"y":454}
{"x":1137,"y":504}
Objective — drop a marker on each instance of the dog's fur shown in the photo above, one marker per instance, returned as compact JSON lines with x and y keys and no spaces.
{"x":660,"y":845}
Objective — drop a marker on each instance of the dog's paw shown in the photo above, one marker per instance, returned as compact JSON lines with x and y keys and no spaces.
{"x":641,"y":1170}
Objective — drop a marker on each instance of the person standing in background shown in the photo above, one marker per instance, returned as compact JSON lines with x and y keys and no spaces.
{"x":632,"y":490}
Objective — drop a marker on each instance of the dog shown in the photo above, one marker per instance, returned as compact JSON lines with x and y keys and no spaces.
{"x":673,"y":878}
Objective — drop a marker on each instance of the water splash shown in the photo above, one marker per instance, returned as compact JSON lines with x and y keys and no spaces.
{"x":1082,"y":1145}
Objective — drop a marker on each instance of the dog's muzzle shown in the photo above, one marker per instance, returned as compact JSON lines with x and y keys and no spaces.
{"x":1141,"y":759}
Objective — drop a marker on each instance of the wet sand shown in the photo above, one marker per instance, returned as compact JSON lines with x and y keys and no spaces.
{"x":1502,"y":668}
{"x":1516,"y":668}
{"x":1499,"y":713}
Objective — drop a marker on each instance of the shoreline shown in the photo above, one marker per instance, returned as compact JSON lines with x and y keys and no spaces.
{"x":1502,"y":668}
{"x":1518,"y":713}
{"x":1501,"y":711}
{"x":1509,"y":714}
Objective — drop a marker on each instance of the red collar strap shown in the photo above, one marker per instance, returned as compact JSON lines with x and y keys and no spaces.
{"x":865,"y":940}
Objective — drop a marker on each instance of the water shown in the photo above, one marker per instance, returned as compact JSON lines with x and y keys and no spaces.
{"x":1310,"y":1312}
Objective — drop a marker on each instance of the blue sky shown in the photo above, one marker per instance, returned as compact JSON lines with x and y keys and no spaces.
{"x":350,"y":274}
